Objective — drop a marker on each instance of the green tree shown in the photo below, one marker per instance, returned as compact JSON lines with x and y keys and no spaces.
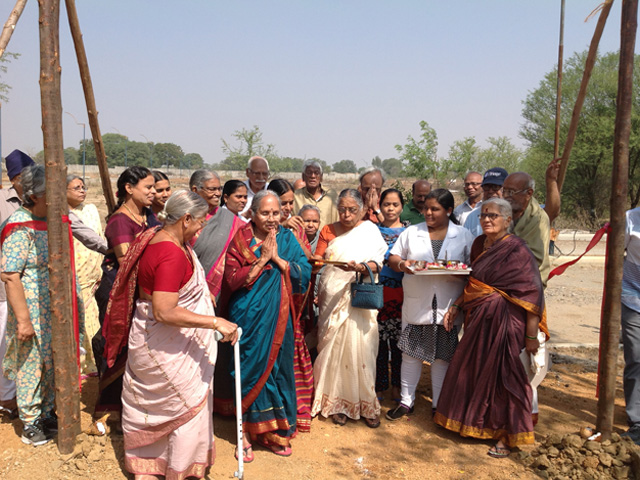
{"x":4,"y":88}
{"x":500,"y":153}
{"x":393,"y":167}
{"x":420,"y":157}
{"x":345,"y":166}
{"x":463,"y":156}
{"x":192,"y":161}
{"x":167,"y":154}
{"x":248,"y":144}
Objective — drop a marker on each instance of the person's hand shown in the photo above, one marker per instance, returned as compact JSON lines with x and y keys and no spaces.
{"x":352,"y":266}
{"x":25,"y":331}
{"x":449,"y":317}
{"x":228,"y":330}
{"x":294,"y":222}
{"x":268,"y":247}
{"x":553,"y":170}
{"x":373,"y":198}
{"x":531,"y":346}
{"x":274,"y":246}
{"x":405,"y":265}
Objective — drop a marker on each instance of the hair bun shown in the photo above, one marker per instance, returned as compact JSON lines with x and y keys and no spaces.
{"x":162,"y":215}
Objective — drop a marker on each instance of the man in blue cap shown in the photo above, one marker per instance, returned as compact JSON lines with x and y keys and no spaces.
{"x":492,"y":181}
{"x":10,"y":201}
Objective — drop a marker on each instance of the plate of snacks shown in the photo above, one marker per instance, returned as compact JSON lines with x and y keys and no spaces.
{"x":440,"y":267}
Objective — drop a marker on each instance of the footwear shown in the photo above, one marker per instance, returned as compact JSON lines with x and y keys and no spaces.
{"x":339,"y":419}
{"x":246,"y":456}
{"x":499,"y":452}
{"x":397,"y":413}
{"x":33,"y":435}
{"x":50,"y":424}
{"x":633,"y":433}
{"x":372,"y":422}
{"x":277,"y":449}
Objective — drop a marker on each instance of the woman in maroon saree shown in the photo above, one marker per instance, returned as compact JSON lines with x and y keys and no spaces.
{"x":486,"y":393}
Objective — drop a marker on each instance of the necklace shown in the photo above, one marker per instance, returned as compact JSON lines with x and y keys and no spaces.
{"x":177,"y":242}
{"x":142,"y":222}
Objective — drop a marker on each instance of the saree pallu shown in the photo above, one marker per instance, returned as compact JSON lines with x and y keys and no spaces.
{"x":345,"y":369}
{"x":167,"y":402}
{"x":486,"y":392}
{"x":264,"y":309}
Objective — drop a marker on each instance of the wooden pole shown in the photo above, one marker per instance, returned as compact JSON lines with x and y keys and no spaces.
{"x":90,"y":100}
{"x":556,"y":140}
{"x":615,"y":249}
{"x":63,"y":340}
{"x":588,"y":67}
{"x":10,"y":25}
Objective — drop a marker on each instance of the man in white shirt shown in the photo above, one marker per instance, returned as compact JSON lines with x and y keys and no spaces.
{"x":473,"y":191}
{"x":257,"y":175}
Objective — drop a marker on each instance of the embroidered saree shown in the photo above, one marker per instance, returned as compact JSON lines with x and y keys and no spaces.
{"x":345,"y":369}
{"x":271,"y":397}
{"x":486,"y":392}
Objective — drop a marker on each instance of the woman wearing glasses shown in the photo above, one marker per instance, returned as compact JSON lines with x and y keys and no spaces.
{"x":345,"y":369}
{"x":486,"y":393}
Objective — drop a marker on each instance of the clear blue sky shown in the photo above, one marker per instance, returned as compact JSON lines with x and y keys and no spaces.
{"x":333,"y":79}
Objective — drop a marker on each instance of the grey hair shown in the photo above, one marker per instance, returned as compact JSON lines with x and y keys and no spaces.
{"x":531,"y":183}
{"x":71,"y":177}
{"x":351,"y":193}
{"x":257,"y":198}
{"x":372,"y":169}
{"x":254,"y":158}
{"x":33,"y":183}
{"x":504,"y":207}
{"x":311,"y":163}
{"x":181,"y":203}
{"x":200,"y":176}
{"x":308,"y":206}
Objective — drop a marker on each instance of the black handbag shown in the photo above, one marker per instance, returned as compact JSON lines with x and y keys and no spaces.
{"x":367,"y":295}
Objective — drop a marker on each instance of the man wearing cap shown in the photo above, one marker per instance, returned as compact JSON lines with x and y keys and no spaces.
{"x":412,"y":211}
{"x":473,"y":191}
{"x":531,"y":222}
{"x":491,"y":187}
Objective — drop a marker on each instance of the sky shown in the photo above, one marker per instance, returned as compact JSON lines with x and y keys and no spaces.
{"x":332,"y":79}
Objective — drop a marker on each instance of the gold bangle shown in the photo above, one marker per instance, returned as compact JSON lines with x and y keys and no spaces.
{"x":215,"y":323}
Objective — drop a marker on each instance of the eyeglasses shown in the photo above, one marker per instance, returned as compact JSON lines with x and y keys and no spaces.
{"x":212,"y":189}
{"x":472,"y":184}
{"x":491,"y":216}
{"x":510,"y":193}
{"x":312,"y":173}
{"x":351,"y":210}
{"x":266,"y":174}
{"x":491,"y":188}
{"x":79,"y":189}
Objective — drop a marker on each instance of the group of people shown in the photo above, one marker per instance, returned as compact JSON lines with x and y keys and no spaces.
{"x":174,"y":267}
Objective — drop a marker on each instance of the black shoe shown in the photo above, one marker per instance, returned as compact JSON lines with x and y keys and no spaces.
{"x":34,"y":435}
{"x":50,"y":425}
{"x":633,"y":433}
{"x":398,"y":412}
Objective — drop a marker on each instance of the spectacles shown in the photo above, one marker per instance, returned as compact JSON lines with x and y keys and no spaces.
{"x":266,"y":174}
{"x":491,"y":216}
{"x":508,"y":192}
{"x":212,"y":189}
{"x":313,"y":173}
{"x":79,"y":189}
{"x":491,"y":188}
{"x":352,"y":210}
{"x":472,"y":184}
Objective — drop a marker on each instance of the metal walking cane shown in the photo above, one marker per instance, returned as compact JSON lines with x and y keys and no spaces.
{"x":236,"y":359}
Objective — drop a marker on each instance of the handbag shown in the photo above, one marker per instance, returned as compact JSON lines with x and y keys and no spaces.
{"x":366,"y":295}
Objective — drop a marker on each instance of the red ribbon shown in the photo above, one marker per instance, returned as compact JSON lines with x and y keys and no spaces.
{"x":559,"y":270}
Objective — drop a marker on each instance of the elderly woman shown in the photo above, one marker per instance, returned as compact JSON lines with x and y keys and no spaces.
{"x":29,"y":358}
{"x":160,"y":299}
{"x":207,"y":184}
{"x":87,"y":261}
{"x":486,"y":393}
{"x":347,"y":336}
{"x":265,"y":266}
{"x":427,"y":298}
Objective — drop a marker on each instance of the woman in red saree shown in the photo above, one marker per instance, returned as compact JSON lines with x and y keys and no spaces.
{"x":486,"y":392}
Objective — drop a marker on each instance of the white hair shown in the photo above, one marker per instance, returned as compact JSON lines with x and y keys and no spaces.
{"x":181,"y":203}
{"x":369,"y":170}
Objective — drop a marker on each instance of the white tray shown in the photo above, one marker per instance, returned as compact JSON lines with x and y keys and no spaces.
{"x":442,"y":272}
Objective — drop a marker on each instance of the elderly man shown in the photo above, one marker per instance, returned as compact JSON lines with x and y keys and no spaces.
{"x":491,"y":187}
{"x":206,"y":183}
{"x":371,"y":181}
{"x":531,"y":222}
{"x":412,"y":211}
{"x":257,"y":175}
{"x":473,"y":191}
{"x":313,"y":194}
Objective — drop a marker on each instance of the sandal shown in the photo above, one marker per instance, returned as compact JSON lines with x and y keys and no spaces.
{"x":275,"y":448}
{"x":246,"y":456}
{"x":372,"y":422}
{"x":339,"y":419}
{"x":499,"y":452}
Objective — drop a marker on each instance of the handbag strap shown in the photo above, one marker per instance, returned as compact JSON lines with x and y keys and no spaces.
{"x":359,"y":276}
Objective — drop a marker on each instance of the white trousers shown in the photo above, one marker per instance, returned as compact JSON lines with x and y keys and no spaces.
{"x":410,"y":376}
{"x":7,"y":387}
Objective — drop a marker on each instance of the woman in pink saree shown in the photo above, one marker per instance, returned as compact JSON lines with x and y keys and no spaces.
{"x":167,"y":399}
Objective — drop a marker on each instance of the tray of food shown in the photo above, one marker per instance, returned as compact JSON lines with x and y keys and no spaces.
{"x":450,"y":267}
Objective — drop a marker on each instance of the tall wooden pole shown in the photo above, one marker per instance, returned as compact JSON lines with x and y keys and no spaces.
{"x":10,"y":25}
{"x":586,"y":76}
{"x":615,"y":248}
{"x":63,"y":340}
{"x":90,"y":100}
{"x":556,"y":140}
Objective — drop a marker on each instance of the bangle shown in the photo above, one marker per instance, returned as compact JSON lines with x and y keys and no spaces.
{"x":530,"y":338}
{"x":215,"y":323}
{"x":457,"y":306}
{"x":400,"y":264}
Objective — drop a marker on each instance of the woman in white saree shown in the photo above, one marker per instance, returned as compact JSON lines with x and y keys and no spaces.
{"x":345,"y":370}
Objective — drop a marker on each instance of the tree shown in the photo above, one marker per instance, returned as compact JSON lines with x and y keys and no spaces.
{"x":587,"y":184}
{"x":192,"y":161}
{"x":420,"y":157}
{"x":345,"y":166}
{"x":463,"y":156}
{"x":167,"y":154}
{"x":249,"y":144}
{"x":500,"y":153}
{"x":4,"y":88}
{"x":393,"y":167}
